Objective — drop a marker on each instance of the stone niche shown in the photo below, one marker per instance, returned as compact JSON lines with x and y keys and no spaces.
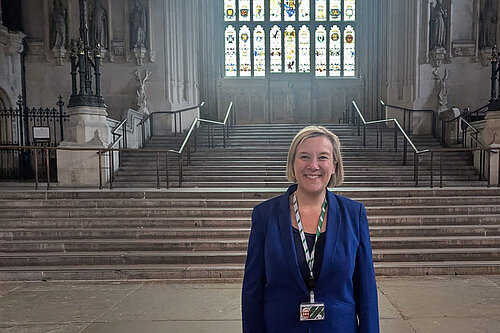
{"x":262,"y":101}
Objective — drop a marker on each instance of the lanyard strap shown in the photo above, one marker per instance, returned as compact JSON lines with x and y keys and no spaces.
{"x":309,"y":256}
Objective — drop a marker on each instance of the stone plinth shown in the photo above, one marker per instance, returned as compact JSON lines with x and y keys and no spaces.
{"x":86,"y":129}
{"x":491,"y":138}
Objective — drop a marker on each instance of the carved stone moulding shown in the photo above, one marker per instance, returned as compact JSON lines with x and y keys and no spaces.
{"x":35,"y":47}
{"x":462,"y":48}
{"x":59,"y":54}
{"x":438,"y":56}
{"x":485,"y":57}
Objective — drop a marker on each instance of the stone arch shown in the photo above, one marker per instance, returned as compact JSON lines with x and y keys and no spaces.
{"x":4,"y":100}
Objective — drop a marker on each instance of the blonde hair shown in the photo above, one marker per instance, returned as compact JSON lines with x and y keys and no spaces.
{"x":311,"y":132}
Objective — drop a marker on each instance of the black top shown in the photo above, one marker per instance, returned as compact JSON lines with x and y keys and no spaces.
{"x":301,"y":257}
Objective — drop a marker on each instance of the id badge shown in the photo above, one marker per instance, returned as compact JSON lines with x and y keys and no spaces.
{"x":312,"y":311}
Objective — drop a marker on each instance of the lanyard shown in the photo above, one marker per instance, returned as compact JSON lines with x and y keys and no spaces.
{"x":309,"y":256}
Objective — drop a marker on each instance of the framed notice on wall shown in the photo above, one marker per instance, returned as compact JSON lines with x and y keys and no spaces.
{"x":41,"y":133}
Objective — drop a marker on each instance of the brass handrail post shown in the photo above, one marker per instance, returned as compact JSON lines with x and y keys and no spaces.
{"x":441,"y":169}
{"x":47,"y":160}
{"x":415,"y":165}
{"x":99,"y":153}
{"x":36,"y":170}
{"x":158,"y":170}
{"x":432,"y":168}
{"x":166,"y":170}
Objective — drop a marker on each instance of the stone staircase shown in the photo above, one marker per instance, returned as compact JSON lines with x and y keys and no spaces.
{"x":187,"y":234}
{"x":255,"y":156}
{"x":202,"y":233}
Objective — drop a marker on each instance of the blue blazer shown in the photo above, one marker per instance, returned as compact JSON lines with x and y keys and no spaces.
{"x":273,"y":287}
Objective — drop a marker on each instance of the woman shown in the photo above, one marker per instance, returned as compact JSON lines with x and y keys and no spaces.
{"x":333,"y":290}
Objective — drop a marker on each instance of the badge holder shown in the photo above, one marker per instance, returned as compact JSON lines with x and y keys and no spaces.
{"x":311,"y":311}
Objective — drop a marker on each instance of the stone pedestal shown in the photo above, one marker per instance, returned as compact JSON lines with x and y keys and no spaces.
{"x":86,"y":129}
{"x":491,"y":138}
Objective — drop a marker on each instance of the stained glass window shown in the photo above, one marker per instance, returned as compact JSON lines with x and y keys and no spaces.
{"x":320,"y":51}
{"x":275,"y":10}
{"x":304,"y":50}
{"x":275,"y":40}
{"x":349,"y":10}
{"x":349,"y":51}
{"x":245,"y":58}
{"x":335,"y":51}
{"x":244,"y":9}
{"x":230,"y":10}
{"x":258,"y":10}
{"x":335,"y":10}
{"x":289,"y":10}
{"x":290,"y":65}
{"x":259,"y":53}
{"x":321,"y":10}
{"x":304,"y":9}
{"x":230,"y":50}
{"x":282,"y":37}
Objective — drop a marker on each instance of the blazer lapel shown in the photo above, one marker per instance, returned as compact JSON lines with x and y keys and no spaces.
{"x":332,"y":236}
{"x":285,"y":226}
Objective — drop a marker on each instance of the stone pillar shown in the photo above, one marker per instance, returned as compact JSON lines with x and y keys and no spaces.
{"x":86,"y":129}
{"x":491,"y":138}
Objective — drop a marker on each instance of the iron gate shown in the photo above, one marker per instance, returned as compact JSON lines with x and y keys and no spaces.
{"x":17,"y":127}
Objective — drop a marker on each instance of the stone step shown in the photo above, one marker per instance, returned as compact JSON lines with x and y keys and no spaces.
{"x":224,"y":257}
{"x":227,"y":271}
{"x":229,"y":244}
{"x":229,"y":232}
{"x":223,"y":222}
{"x":194,"y":203}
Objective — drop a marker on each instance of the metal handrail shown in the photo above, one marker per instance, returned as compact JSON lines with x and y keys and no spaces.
{"x":114,"y":132}
{"x":225,"y":134}
{"x":403,"y":132}
{"x":170,"y":112}
{"x":201,"y":120}
{"x":434,"y":121}
{"x":174,"y":112}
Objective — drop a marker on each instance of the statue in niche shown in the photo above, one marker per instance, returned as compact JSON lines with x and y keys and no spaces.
{"x":141,"y":90}
{"x":138,"y":25}
{"x":99,"y":26}
{"x":438,"y":18}
{"x":488,"y":25}
{"x":58,"y":26}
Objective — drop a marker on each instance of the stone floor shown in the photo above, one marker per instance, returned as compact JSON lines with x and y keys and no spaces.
{"x":407,"y":304}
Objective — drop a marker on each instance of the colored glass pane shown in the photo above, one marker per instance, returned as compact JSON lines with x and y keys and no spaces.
{"x":304,"y":10}
{"x":230,"y":51}
{"x":259,"y":51}
{"x":289,"y":9}
{"x":349,"y":51}
{"x":304,"y":50}
{"x":275,"y":50}
{"x":245,"y":53}
{"x":258,"y":10}
{"x":290,"y":56}
{"x":349,"y":10}
{"x":320,"y":51}
{"x":321,"y":10}
{"x":275,"y":10}
{"x":229,"y":10}
{"x":335,"y":51}
{"x":335,"y":10}
{"x":244,"y":10}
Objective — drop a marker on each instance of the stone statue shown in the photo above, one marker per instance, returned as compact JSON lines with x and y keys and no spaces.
{"x":488,"y":25}
{"x":138,"y":25}
{"x":99,"y":25}
{"x":58,"y":28}
{"x":442,"y":90}
{"x":438,"y":19}
{"x":141,"y":90}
